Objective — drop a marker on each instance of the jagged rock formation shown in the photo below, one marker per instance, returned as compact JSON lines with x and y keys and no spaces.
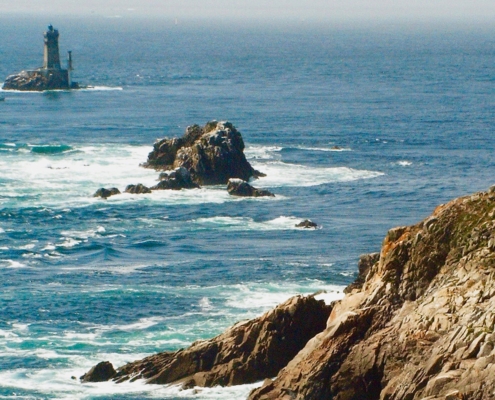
{"x":238,"y":187}
{"x":420,"y":323}
{"x":212,"y":154}
{"x":106,"y":193}
{"x":178,"y":179}
{"x":247,"y":352}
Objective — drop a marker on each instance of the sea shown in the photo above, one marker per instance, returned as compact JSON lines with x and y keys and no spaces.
{"x":358,"y":128}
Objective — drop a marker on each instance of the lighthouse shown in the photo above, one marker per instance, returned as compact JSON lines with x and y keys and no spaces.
{"x":51,"y":55}
{"x":50,"y":76}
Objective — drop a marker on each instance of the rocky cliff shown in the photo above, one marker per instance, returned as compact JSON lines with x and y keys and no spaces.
{"x":418,"y":324}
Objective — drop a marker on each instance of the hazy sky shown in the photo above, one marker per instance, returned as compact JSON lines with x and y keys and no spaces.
{"x":342,"y":10}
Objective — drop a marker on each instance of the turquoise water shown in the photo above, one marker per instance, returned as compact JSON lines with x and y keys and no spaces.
{"x":86,"y":280}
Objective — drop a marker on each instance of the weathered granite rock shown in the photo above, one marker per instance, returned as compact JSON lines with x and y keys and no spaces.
{"x":212,"y":154}
{"x":101,"y":372}
{"x":238,"y":187}
{"x":247,"y":352}
{"x":106,"y":193}
{"x":307,"y":224}
{"x":137,"y":189}
{"x":178,"y":179}
{"x":421,"y":323}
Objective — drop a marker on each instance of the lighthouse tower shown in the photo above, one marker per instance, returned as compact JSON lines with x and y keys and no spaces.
{"x":51,"y":56}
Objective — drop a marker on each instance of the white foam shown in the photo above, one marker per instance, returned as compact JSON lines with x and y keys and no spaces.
{"x":205,"y":304}
{"x":259,"y":297}
{"x":262,"y":152}
{"x":285,"y":174}
{"x":404,"y":163}
{"x":326,"y":149}
{"x":100,"y":88}
{"x":329,"y":297}
{"x":13,"y":264}
{"x":248,"y":224}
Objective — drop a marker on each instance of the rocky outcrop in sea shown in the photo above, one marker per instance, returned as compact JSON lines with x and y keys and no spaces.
{"x":39,"y":80}
{"x":212,"y":154}
{"x":238,"y":187}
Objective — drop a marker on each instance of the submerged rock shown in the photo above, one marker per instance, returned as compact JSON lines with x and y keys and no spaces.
{"x":247,"y":352}
{"x":178,"y":179}
{"x":106,"y":193}
{"x":212,"y":154}
{"x":137,"y":189}
{"x":238,"y":187}
{"x":101,"y":372}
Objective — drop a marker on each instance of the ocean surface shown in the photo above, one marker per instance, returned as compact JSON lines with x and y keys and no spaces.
{"x":357,"y":129}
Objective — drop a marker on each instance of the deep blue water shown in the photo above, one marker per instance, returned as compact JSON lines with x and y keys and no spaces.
{"x":85,"y":280}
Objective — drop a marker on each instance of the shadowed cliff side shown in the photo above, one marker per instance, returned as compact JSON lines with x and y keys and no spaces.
{"x":247,"y":352}
{"x":418,"y":324}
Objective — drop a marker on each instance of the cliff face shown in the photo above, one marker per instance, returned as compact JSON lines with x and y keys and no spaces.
{"x":247,"y":352}
{"x":418,"y":323}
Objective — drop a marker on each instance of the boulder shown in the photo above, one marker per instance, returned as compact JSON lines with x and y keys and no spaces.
{"x":137,"y":189}
{"x":212,"y":154}
{"x":307,"y":224}
{"x":106,"y":193}
{"x":178,"y":179}
{"x":247,"y":352}
{"x":101,"y":372}
{"x":238,"y":187}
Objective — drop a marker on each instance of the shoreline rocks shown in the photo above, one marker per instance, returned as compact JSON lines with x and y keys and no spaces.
{"x":247,"y":352}
{"x":101,"y":372}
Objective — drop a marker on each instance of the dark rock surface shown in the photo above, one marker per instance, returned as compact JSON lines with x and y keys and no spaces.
{"x":178,"y":179}
{"x":38,"y":80}
{"x":212,"y":154}
{"x":101,"y":372}
{"x":106,"y":193}
{"x":247,"y":352}
{"x":137,"y":189}
{"x":238,"y":187}
{"x":307,"y":224}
